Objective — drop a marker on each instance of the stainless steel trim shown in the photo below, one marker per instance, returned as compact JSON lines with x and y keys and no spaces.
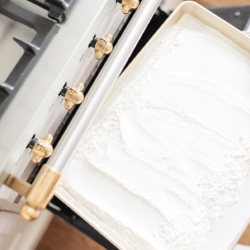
{"x":103,"y":83}
{"x":247,"y":33}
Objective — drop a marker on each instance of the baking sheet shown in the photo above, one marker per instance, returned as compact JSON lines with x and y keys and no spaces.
{"x":229,"y":229}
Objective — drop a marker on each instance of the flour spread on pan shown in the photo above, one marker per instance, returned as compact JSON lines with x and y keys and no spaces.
{"x":169,"y":153}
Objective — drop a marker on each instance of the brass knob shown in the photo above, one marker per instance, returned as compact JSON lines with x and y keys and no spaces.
{"x":72,"y":95}
{"x":129,"y":5}
{"x":29,"y":213}
{"x":41,"y":148}
{"x":102,"y":46}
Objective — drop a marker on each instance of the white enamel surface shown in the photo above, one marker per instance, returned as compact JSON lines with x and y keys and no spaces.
{"x":18,"y":234}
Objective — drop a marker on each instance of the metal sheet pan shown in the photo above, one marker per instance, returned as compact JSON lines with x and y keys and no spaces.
{"x":229,"y":229}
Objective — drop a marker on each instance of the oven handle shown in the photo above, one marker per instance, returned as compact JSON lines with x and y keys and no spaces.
{"x":103,"y":83}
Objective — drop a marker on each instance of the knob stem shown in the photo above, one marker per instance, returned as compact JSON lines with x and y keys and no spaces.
{"x":32,"y":142}
{"x":93,"y":42}
{"x":64,"y":90}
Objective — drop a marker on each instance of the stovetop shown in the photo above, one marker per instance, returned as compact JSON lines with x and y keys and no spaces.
{"x":32,"y":33}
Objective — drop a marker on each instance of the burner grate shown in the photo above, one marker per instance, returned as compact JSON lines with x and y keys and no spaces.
{"x":58,"y":9}
{"x":45,"y":30}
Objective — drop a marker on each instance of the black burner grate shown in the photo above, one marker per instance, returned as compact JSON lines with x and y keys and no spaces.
{"x":58,"y":9}
{"x":45,"y":29}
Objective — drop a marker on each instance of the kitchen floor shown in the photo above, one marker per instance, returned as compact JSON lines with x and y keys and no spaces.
{"x":61,"y":236}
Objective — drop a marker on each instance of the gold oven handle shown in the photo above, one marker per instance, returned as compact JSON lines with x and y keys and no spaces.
{"x":38,"y":194}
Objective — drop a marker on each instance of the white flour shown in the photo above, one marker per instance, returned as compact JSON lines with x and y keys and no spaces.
{"x":169,"y":155}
